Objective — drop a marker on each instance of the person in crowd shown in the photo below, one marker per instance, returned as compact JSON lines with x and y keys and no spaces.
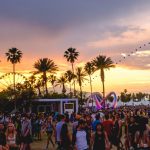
{"x":130,"y":136}
{"x":75,"y":123}
{"x":58,"y":130}
{"x":96,"y":121}
{"x":80,"y":137}
{"x":100,"y":139}
{"x":38,"y":127}
{"x":65,"y":138}
{"x":142,"y":140}
{"x":49,"y":130}
{"x":11,"y":137}
{"x":3,"y":145}
{"x":26,"y":133}
{"x":117,"y":132}
{"x":108,"y":125}
{"x":33,"y":123}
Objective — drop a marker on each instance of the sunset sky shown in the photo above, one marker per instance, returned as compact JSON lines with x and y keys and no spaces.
{"x":47,"y":28}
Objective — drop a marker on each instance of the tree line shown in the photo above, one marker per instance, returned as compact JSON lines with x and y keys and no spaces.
{"x":36,"y":86}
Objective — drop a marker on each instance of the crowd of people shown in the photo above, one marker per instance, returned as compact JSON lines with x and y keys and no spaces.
{"x":123,"y":128}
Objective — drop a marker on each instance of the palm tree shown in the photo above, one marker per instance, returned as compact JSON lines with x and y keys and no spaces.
{"x":44,"y":66}
{"x":52,"y":80}
{"x":32,"y":80}
{"x":101,"y":63}
{"x":80,"y":76}
{"x":89,"y":69}
{"x":71,"y":55}
{"x":62,"y":81}
{"x":38,"y":85}
{"x":14,"y":56}
{"x":70,"y":76}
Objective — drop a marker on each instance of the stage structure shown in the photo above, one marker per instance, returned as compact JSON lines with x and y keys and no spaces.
{"x":102,"y":103}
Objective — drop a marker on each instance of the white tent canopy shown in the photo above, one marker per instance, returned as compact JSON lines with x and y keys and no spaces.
{"x":134,"y":103}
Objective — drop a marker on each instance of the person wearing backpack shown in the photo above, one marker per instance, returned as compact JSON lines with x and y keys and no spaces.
{"x":80,"y":138}
{"x":49,"y":131}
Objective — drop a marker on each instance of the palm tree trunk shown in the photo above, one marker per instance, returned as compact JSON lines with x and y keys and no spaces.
{"x":39,"y":91}
{"x":63,"y":89}
{"x":103,"y":79}
{"x":91,"y":88}
{"x":103,"y":89}
{"x":14,"y":86}
{"x":73,"y":80}
{"x":70,"y":89}
{"x":45,"y":78}
{"x":81,"y":92}
{"x":14,"y":76}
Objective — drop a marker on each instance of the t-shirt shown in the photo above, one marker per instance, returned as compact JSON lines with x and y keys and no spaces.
{"x":132,"y":128}
{"x":141,"y":121}
{"x":26,"y":125}
{"x":58,"y":130}
{"x":81,"y":140}
{"x":108,"y":125}
{"x":74,"y":125}
{"x":94,"y":124}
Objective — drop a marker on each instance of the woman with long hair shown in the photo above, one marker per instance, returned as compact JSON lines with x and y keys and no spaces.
{"x":11,"y":136}
{"x":99,"y":138}
{"x":65,"y":138}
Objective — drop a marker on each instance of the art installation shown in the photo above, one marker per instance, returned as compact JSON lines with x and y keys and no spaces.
{"x":103,"y":103}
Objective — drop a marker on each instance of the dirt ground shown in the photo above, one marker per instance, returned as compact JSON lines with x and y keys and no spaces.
{"x":41,"y":145}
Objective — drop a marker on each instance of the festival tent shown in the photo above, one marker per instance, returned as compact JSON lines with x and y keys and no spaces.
{"x":135,"y":103}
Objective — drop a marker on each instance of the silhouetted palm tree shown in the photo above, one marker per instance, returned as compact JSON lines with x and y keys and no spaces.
{"x":14,"y":56}
{"x":89,"y":69}
{"x":103,"y":63}
{"x":62,"y":81}
{"x":32,"y":80}
{"x":71,"y":55}
{"x":80,"y":76}
{"x":38,"y":85}
{"x":70,"y":76}
{"x":52,"y":80}
{"x":44,"y":66}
